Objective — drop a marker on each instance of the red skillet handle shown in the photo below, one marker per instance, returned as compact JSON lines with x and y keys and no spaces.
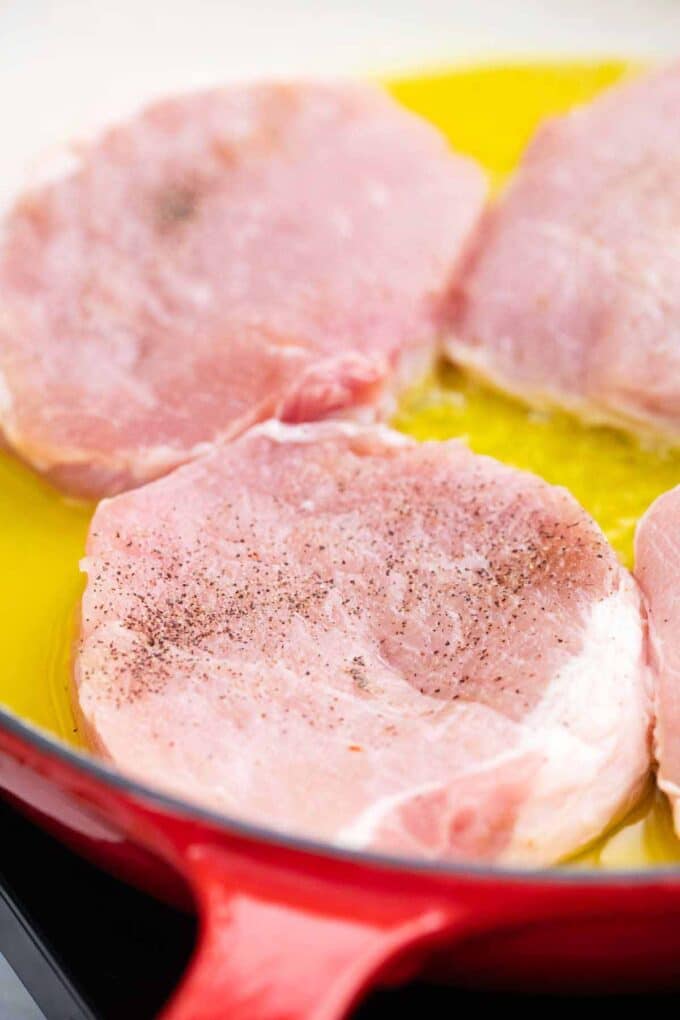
{"x":290,"y":950}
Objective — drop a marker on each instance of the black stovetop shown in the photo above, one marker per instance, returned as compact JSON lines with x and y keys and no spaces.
{"x":87,"y":947}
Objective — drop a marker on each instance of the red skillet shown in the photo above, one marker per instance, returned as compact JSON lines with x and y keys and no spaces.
{"x":294,"y":930}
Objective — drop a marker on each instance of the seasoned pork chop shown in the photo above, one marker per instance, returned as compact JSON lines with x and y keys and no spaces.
{"x":573,"y":294}
{"x":207,"y":256}
{"x":336,"y":631}
{"x":657,"y":566}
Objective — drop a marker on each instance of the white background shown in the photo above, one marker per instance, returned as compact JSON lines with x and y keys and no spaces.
{"x":67,"y":65}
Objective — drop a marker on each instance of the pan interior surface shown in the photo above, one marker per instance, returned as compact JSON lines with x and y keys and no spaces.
{"x":488,"y":112}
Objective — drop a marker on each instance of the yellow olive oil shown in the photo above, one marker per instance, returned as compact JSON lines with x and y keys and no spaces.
{"x":488,"y":112}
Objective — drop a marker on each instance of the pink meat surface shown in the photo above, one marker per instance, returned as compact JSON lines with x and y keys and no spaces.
{"x":572,"y":296}
{"x":206,"y":256}
{"x":657,"y":567}
{"x":333,"y":630}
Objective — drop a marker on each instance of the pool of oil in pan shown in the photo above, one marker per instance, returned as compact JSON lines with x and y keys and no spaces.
{"x":488,"y":112}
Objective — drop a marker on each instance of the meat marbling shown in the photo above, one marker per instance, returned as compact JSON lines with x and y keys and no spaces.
{"x":336,"y":631}
{"x":657,"y":567}
{"x":572,"y":295}
{"x":209,"y":253}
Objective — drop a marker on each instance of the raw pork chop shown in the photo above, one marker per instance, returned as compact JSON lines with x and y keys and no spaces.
{"x":208,"y":254}
{"x":657,"y":566}
{"x":336,"y":631}
{"x":573,"y":295}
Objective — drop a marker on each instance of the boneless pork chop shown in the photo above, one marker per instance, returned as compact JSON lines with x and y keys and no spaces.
{"x":336,"y":631}
{"x":573,"y":294}
{"x":657,"y":566}
{"x":209,"y":254}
